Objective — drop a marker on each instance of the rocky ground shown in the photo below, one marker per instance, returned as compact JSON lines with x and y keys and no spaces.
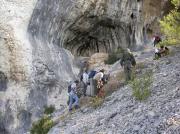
{"x":121,"y":113}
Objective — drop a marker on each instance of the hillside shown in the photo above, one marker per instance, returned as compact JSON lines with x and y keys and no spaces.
{"x":121,"y":113}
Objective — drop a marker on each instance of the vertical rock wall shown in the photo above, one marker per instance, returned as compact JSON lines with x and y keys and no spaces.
{"x":85,"y":27}
{"x":15,"y":65}
{"x":35,"y":67}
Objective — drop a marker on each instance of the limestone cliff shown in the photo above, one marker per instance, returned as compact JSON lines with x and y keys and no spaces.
{"x":85,"y":27}
{"x":35,"y":36}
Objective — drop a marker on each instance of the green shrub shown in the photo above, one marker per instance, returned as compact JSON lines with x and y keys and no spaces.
{"x":168,"y":42}
{"x":170,"y":24}
{"x":42,"y":126}
{"x":49,"y":110}
{"x":141,"y":86}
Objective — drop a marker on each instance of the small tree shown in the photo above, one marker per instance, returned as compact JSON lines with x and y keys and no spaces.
{"x":42,"y":126}
{"x":170,"y":25}
{"x":141,"y":86}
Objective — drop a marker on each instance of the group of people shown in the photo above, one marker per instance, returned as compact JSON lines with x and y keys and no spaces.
{"x":94,"y":79}
{"x":162,"y":51}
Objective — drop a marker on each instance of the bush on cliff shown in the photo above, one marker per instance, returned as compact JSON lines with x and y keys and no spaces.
{"x":141,"y":86}
{"x":42,"y":126}
{"x":170,"y":25}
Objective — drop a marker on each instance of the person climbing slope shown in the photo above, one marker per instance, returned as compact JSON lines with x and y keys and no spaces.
{"x":85,"y":80}
{"x":73,"y":98}
{"x":127,"y":61}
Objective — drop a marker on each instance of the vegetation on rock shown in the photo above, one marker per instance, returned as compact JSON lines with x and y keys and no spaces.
{"x":49,"y":110}
{"x":170,"y":25}
{"x":141,"y":86}
{"x":42,"y":126}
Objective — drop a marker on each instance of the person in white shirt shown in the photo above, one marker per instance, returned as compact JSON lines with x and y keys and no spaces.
{"x":99,"y":76}
{"x":85,"y":79}
{"x":98,"y":79}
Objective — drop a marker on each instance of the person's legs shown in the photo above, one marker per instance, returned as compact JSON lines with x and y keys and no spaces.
{"x":76,"y":103}
{"x":155,"y":43}
{"x":95,"y":87}
{"x":159,"y":55}
{"x":91,"y":87}
{"x":84,"y":88}
{"x":70,"y":102}
{"x":127,"y":72}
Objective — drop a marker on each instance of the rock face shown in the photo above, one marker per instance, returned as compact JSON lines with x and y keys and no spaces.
{"x":85,"y":27}
{"x":32,"y":74}
{"x":15,"y":65}
{"x":35,"y":67}
{"x":97,"y":60}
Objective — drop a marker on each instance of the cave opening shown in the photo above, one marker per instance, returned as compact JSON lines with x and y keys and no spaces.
{"x":132,"y":16}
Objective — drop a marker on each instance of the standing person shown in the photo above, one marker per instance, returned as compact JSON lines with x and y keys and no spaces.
{"x":127,"y":62}
{"x":85,"y":80}
{"x":92,"y":73}
{"x":73,"y":96}
{"x":157,"y":39}
{"x":98,"y":81}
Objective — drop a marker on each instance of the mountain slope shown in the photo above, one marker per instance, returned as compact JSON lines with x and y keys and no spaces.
{"x":122,"y":114}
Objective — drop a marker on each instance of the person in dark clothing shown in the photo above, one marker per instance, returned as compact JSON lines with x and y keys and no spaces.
{"x":157,"y":39}
{"x":166,"y":51}
{"x":127,"y":62}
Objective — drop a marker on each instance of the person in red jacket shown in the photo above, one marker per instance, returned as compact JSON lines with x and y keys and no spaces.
{"x":157,"y":39}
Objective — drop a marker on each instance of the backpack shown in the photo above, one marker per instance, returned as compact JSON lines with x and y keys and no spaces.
{"x":69,"y":88}
{"x":92,"y":74}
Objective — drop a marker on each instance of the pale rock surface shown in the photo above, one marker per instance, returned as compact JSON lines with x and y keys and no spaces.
{"x":33,"y":35}
{"x":96,"y":61}
{"x":33,"y":80}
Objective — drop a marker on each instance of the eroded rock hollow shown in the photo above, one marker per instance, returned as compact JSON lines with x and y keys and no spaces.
{"x":85,"y":27}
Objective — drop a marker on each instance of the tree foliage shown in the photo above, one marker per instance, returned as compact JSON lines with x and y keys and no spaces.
{"x":42,"y":126}
{"x":170,"y":24}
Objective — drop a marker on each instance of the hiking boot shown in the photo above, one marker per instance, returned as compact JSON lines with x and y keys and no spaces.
{"x":77,"y":107}
{"x":70,"y":110}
